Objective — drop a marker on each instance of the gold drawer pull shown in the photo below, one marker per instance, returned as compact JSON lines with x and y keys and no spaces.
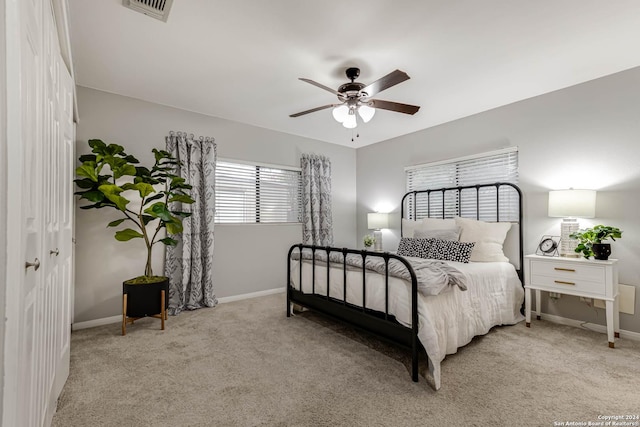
{"x":564,"y":283}
{"x":564,"y":269}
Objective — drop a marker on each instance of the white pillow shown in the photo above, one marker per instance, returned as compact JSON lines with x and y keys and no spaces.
{"x":488,"y":237}
{"x":438,"y":224}
{"x":409,"y":227}
{"x":442,"y":234}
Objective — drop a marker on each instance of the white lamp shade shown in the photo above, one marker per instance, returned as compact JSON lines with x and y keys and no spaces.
{"x":340,"y":113}
{"x":366,"y":113}
{"x":572,"y":203}
{"x":350,"y":121}
{"x":377,"y":221}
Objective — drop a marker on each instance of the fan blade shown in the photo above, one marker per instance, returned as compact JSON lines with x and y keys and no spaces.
{"x":321,"y":86}
{"x":394,"y":106}
{"x":313,"y":110}
{"x":391,"y":79}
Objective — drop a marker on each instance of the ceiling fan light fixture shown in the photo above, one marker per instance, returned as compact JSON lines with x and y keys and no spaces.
{"x":355,"y":96}
{"x":350,"y":121}
{"x":341,"y":113}
{"x":366,"y":113}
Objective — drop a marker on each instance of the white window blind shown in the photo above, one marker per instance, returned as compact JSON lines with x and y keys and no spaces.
{"x":487,"y":168}
{"x":254,"y":193}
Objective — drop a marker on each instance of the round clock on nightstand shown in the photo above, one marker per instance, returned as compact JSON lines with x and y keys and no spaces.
{"x":548,"y":246}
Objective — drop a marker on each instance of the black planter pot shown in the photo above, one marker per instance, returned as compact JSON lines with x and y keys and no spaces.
{"x":145,"y":299}
{"x":601,"y":251}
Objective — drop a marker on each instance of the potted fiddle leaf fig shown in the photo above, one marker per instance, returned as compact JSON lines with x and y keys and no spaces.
{"x":590,"y":241}
{"x":143,"y":196}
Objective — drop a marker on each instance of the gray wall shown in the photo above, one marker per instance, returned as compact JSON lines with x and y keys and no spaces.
{"x":585,"y":136}
{"x":248,"y":258}
{"x":3,"y":192}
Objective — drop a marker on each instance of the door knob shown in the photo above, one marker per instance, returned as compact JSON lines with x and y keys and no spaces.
{"x":35,"y":264}
{"x":55,"y":252}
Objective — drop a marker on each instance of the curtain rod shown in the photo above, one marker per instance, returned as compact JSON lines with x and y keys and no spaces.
{"x":191,"y":136}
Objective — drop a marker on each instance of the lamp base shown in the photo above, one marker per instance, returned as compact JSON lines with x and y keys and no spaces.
{"x":567,"y":244}
{"x":377,"y":235}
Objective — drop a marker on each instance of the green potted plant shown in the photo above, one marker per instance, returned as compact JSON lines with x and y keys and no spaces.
{"x":111,"y":178}
{"x":368,"y":241}
{"x":590,"y":241}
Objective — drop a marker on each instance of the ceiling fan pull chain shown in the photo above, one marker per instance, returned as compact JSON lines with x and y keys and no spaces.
{"x":357,"y":135}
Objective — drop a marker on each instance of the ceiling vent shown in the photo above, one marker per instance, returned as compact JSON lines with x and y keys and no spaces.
{"x":158,"y":9}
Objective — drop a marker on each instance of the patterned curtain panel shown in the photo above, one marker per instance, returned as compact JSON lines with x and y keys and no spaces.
{"x":317,"y":222}
{"x":189,"y":265}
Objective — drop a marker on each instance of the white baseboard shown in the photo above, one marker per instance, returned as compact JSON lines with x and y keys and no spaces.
{"x":586,"y":325}
{"x":117,"y":319}
{"x":251,"y":295}
{"x":96,"y":322}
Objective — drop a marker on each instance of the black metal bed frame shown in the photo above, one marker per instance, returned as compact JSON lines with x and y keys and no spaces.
{"x":379,"y":323}
{"x":477,"y":188}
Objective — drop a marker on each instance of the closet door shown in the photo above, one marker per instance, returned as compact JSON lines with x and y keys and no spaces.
{"x":54,"y":322}
{"x":64,"y":207}
{"x":32,"y":130}
{"x":39,"y":216}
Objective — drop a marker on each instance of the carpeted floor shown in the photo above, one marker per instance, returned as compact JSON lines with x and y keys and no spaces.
{"x":246,"y":364}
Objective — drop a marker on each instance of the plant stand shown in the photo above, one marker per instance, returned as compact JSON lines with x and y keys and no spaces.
{"x":144,"y":300}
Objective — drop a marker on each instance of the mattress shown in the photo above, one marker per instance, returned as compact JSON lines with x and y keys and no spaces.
{"x":447,"y":321}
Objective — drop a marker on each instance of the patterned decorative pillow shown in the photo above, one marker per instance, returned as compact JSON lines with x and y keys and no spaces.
{"x":414,"y":247}
{"x":450,"y":250}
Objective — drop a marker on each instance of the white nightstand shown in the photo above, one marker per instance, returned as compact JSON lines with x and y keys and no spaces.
{"x":574,"y":276}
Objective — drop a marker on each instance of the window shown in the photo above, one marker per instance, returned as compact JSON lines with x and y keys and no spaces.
{"x":254,"y":193}
{"x":486,"y":168}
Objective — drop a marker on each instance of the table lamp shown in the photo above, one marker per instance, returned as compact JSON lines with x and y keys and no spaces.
{"x":570,"y":205}
{"x":377,"y":221}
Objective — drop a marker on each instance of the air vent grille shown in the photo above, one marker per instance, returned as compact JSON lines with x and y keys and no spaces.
{"x":158,"y":9}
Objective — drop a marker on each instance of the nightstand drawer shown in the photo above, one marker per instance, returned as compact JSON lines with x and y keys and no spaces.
{"x":569,"y":272}
{"x":569,"y":285}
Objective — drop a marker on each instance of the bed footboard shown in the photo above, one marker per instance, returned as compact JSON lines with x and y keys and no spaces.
{"x":378,"y":322}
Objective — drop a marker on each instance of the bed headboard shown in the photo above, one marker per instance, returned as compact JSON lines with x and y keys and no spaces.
{"x":496,"y":202}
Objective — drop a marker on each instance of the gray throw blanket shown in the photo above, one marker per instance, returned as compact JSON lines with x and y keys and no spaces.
{"x":433,"y":276}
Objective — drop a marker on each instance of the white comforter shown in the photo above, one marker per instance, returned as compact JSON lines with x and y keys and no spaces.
{"x":447,"y":321}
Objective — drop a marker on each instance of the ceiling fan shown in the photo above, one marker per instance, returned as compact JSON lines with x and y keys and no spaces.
{"x":356,"y":97}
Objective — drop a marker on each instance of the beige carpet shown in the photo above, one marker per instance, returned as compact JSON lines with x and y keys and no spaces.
{"x":246,"y":364}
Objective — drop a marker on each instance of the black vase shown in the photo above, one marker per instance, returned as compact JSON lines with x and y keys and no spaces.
{"x":601,"y":251}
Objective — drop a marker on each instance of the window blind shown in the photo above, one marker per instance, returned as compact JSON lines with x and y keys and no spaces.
{"x":254,"y":193}
{"x":486,"y":168}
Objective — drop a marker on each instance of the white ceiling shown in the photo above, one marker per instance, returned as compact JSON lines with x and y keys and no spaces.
{"x":241,"y":59}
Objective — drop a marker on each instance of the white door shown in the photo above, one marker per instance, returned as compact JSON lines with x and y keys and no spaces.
{"x":54,"y":322}
{"x":62,"y":251}
{"x":39,"y":216}
{"x":32,"y":126}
